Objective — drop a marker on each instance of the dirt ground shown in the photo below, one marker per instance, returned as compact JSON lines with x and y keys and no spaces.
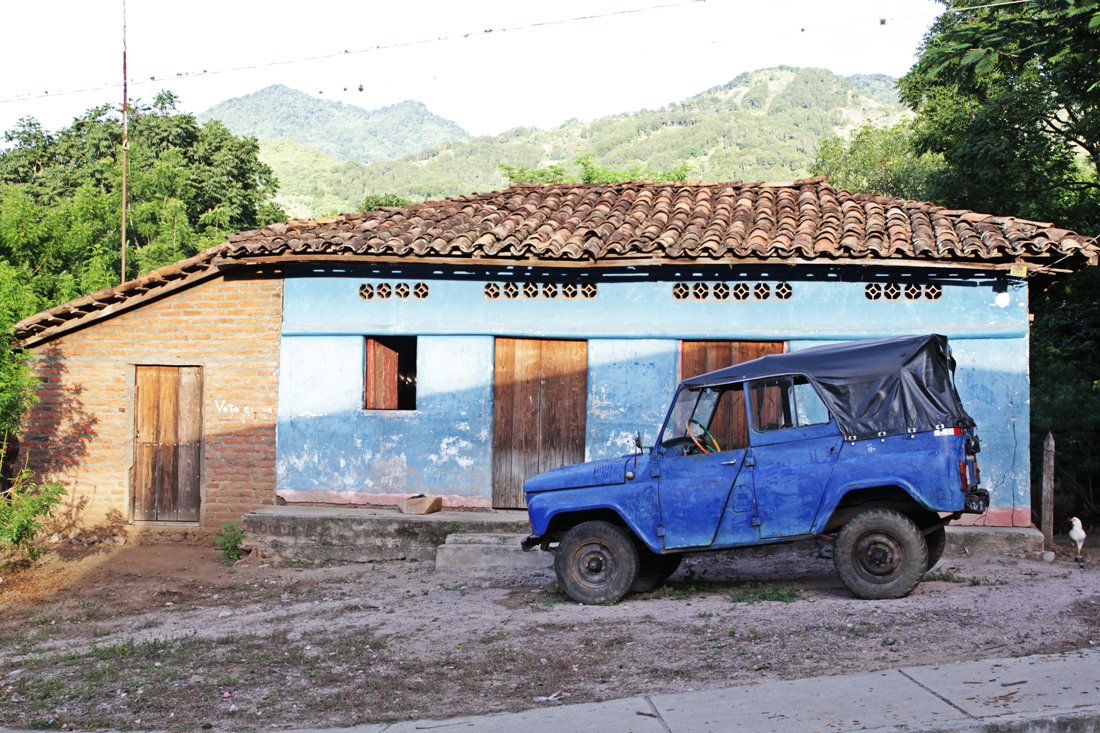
{"x":171,"y":637}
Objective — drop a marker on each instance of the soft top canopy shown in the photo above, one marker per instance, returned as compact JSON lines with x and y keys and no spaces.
{"x":873,"y":388}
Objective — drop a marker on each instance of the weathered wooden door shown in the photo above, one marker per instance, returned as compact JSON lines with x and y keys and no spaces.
{"x":167,"y":444}
{"x":699,"y":357}
{"x":539,"y":399}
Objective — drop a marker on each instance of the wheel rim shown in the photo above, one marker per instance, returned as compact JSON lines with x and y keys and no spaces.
{"x":878,"y":557}
{"x":594,"y":565}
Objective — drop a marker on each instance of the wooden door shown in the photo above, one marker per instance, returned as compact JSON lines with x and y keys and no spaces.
{"x":167,"y":444}
{"x":540,"y":390}
{"x":699,"y":357}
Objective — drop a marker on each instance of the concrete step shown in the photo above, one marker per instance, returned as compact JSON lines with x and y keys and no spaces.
{"x":362,"y":534}
{"x":480,"y":550}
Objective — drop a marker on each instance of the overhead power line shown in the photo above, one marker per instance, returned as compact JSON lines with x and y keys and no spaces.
{"x":369,"y":49}
{"x":162,"y":78}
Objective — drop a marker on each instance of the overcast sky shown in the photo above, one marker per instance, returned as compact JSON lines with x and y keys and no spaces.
{"x":486,"y":82}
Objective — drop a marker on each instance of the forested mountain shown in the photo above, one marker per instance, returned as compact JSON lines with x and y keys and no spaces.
{"x":339,"y":130}
{"x":763,"y":125}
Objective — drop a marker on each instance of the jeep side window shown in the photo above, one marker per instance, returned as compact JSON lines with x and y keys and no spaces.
{"x":785,"y":402}
{"x":720,"y":410}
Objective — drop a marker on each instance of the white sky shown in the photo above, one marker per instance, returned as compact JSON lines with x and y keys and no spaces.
{"x":487,"y":83}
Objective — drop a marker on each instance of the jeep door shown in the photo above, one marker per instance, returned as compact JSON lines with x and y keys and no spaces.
{"x":795,"y":443}
{"x":697,"y":475}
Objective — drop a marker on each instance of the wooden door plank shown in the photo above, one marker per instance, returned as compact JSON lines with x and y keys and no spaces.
{"x":189,"y":464}
{"x":575,"y":401}
{"x":552,"y":398}
{"x":142,"y":481}
{"x":504,"y":368}
{"x":167,"y":443}
{"x":525,"y":411}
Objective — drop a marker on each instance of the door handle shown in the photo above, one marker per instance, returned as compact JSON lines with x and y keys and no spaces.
{"x":730,"y":463}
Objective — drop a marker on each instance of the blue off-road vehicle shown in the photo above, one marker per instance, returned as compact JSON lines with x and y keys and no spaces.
{"x":865,"y":445}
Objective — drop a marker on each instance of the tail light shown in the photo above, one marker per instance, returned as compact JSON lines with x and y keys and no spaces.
{"x":964,"y":476}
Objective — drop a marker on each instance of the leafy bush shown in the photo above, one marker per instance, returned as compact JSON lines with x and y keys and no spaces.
{"x":23,"y":506}
{"x":229,"y":541}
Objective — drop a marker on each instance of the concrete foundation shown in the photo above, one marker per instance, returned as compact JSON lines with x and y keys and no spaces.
{"x":361,"y":535}
{"x":459,"y":539}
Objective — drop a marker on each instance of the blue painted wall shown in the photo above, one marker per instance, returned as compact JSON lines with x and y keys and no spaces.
{"x":327,"y":443}
{"x":630,"y":384}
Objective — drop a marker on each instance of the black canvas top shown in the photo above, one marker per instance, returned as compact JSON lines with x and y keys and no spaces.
{"x":873,"y":388}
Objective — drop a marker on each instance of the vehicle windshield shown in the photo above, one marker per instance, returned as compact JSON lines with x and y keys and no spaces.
{"x":716,"y":416}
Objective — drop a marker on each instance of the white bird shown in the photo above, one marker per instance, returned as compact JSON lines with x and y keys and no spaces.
{"x":1077,"y":534}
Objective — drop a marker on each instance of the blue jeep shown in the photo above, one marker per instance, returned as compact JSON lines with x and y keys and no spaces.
{"x":865,"y":445}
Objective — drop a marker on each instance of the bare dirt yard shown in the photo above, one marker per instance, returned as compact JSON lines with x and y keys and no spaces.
{"x":171,"y":637}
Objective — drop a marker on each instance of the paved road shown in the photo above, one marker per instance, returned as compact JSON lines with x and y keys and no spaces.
{"x":1036,"y":694}
{"x":1041,"y":693}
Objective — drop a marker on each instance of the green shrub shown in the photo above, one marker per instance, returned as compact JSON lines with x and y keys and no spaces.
{"x":229,"y":540}
{"x":23,"y":506}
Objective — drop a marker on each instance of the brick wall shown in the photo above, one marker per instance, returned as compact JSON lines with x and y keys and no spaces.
{"x":81,"y":431}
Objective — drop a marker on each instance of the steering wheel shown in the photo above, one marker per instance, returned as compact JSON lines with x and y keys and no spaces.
{"x":702,"y":446}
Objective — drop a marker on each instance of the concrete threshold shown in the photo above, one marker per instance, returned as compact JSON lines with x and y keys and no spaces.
{"x":360,"y":534}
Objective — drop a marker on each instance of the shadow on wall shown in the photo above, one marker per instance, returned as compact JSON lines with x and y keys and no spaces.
{"x":57,"y":431}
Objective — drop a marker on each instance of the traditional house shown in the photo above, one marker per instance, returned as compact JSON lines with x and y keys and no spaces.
{"x":457,"y":347}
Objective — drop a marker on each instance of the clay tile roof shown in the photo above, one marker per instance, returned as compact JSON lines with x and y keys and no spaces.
{"x":635,"y":222}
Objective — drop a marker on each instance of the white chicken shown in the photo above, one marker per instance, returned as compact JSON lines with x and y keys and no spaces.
{"x":1077,"y":534}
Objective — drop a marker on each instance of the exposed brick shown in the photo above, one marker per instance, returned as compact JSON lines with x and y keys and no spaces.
{"x":77,"y":431}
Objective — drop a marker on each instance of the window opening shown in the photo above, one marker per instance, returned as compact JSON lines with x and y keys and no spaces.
{"x":785,"y":402}
{"x":390,"y":373}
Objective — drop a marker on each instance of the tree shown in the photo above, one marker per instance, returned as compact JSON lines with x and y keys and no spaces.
{"x":375,"y":201}
{"x":60,"y":194}
{"x":880,"y":160}
{"x":1010,"y":96}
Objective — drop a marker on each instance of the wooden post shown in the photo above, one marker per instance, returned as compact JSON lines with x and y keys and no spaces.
{"x":1048,"y":492}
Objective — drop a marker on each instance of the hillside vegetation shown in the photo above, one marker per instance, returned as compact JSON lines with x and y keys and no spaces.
{"x":762,"y":125}
{"x":338,"y":130}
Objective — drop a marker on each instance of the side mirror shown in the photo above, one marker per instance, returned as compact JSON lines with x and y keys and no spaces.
{"x":638,"y":440}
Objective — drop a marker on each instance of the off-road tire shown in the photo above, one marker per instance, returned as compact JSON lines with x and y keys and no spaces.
{"x":596,"y":563}
{"x":880,"y":554}
{"x":654,"y":569}
{"x":936,"y":541}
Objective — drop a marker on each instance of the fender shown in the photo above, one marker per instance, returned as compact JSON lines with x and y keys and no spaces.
{"x":635,"y":503}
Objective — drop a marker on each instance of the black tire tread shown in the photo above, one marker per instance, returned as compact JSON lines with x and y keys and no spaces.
{"x":618,"y":542}
{"x":899,"y":527}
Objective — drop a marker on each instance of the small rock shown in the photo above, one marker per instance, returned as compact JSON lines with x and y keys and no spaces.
{"x":1048,"y":556}
{"x":225,"y":614}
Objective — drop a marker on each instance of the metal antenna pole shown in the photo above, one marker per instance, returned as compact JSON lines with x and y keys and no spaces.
{"x":125,"y":140}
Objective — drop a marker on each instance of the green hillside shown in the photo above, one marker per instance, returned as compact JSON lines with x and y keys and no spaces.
{"x":339,"y":130}
{"x":763,"y":125}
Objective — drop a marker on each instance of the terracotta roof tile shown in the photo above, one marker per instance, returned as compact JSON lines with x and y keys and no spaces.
{"x":620,"y":223}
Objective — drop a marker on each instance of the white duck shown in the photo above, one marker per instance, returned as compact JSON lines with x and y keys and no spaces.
{"x":1077,"y":534}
